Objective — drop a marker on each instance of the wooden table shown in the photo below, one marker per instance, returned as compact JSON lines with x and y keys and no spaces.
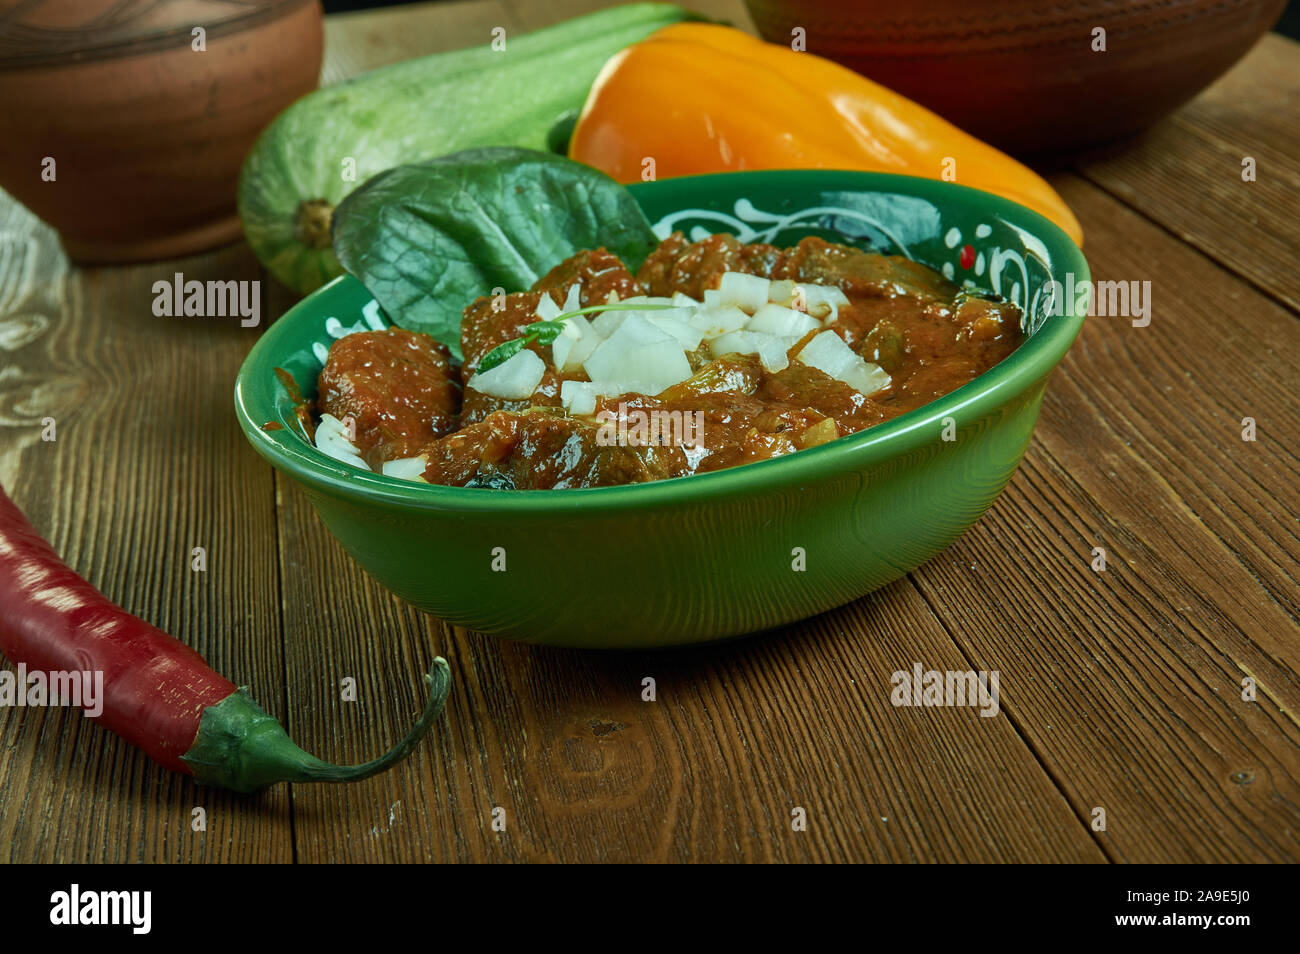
{"x":1120,"y":690}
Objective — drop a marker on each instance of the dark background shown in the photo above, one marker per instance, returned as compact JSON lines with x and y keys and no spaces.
{"x":1289,"y":25}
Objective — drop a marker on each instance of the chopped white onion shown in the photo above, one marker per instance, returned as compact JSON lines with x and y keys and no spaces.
{"x":737,"y":342}
{"x":820,"y":301}
{"x":782,"y":321}
{"x":773,"y":354}
{"x":642,"y":353}
{"x":687,"y":335}
{"x":406,"y":468}
{"x":607,"y":322}
{"x":746,"y":292}
{"x":513,"y":379}
{"x":724,"y":319}
{"x":824,"y":301}
{"x":781,"y":292}
{"x":828,"y":353}
{"x":547,"y":309}
{"x":770,"y":349}
{"x":573,"y":300}
{"x":579,"y":397}
{"x":866,"y":377}
{"x":576,"y":342}
{"x":632,"y":351}
{"x":332,"y":440}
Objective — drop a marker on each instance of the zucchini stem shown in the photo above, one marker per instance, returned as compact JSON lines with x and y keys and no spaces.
{"x":312,"y":222}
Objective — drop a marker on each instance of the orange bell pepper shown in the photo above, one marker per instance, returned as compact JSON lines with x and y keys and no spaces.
{"x":697,"y":97}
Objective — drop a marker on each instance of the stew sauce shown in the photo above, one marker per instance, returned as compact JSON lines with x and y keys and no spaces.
{"x":408,"y":399}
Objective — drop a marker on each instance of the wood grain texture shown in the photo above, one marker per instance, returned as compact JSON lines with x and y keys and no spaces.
{"x":1119,"y":690}
{"x":1127,"y":682}
{"x":147,"y":463}
{"x":1186,"y":171}
{"x":737,"y":737}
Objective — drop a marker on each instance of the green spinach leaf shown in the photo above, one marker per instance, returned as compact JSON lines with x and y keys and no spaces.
{"x":427,"y":239}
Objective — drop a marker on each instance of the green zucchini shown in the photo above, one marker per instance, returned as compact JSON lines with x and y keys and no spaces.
{"x":329,"y":142}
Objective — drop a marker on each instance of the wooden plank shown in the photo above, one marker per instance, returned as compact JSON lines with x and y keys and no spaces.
{"x":148,"y":462}
{"x":585,"y":770}
{"x":1186,"y":172}
{"x":1174,"y":397}
{"x":1127,"y":683}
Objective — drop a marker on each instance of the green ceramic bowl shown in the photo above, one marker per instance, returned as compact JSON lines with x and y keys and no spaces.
{"x":719,"y":554}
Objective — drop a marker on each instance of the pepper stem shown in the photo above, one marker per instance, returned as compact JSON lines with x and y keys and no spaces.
{"x":240,"y":747}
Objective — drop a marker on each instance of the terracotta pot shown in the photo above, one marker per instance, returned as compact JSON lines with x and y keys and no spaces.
{"x":1022,"y":74}
{"x":144,"y":134}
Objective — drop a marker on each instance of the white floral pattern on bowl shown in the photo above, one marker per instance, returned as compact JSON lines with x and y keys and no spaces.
{"x":1004,"y":271}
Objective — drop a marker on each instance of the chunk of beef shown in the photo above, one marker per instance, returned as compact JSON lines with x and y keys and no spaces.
{"x":600,"y":273}
{"x":859,"y":273}
{"x":397,"y":387}
{"x":539,"y":451}
{"x":691,"y":267}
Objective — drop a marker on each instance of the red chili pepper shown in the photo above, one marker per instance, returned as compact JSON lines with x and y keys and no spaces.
{"x":158,"y":694}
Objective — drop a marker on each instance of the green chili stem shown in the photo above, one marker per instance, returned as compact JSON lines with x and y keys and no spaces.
{"x":240,"y":747}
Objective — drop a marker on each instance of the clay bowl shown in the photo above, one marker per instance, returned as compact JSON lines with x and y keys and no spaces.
{"x":1022,"y":74}
{"x":146,"y":133}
